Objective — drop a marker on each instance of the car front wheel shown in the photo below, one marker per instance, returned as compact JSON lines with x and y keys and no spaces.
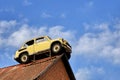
{"x":56,"y":48}
{"x":24,"y":58}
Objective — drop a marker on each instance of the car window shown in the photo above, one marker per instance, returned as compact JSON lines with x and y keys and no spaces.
{"x":40,"y":39}
{"x":29,"y":43}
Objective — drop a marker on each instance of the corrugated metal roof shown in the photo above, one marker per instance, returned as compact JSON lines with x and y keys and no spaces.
{"x":26,"y":71}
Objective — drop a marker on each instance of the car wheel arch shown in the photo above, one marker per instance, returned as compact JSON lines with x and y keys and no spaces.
{"x":25,"y":52}
{"x":54,"y":43}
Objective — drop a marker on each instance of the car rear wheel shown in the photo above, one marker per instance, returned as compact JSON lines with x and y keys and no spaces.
{"x":24,"y":58}
{"x":56,"y":48}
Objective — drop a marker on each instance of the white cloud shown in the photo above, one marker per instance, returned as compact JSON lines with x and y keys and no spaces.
{"x":87,"y":73}
{"x":26,"y":32}
{"x":82,"y":74}
{"x":111,"y":53}
{"x":27,"y":3}
{"x":11,"y":10}
{"x":105,"y":44}
{"x":117,"y":24}
{"x":17,"y":37}
{"x":4,"y":25}
{"x":86,"y":7}
{"x":46,"y":15}
{"x":58,"y":31}
{"x":103,"y":26}
{"x":98,"y":27}
{"x":1,"y":41}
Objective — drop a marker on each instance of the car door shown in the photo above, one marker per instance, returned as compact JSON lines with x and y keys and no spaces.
{"x":42,"y":44}
{"x":30,"y":47}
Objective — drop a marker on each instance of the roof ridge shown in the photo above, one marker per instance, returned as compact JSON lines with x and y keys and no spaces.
{"x":29,"y":64}
{"x":38,"y":61}
{"x":49,"y":66}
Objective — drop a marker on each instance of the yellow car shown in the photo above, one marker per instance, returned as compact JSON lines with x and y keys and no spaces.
{"x":41,"y":45}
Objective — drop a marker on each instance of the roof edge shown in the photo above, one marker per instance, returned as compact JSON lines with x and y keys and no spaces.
{"x":68,"y":67}
{"x":47,"y":68}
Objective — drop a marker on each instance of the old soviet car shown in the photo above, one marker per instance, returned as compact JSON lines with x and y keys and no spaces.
{"x":41,"y":45}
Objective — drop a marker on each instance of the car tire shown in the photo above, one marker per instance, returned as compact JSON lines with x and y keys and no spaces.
{"x":24,"y":58}
{"x":56,"y":48}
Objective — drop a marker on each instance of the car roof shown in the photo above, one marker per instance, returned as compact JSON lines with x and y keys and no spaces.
{"x":35,"y":38}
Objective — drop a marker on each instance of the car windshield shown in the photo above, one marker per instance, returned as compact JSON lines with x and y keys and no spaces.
{"x":29,"y":43}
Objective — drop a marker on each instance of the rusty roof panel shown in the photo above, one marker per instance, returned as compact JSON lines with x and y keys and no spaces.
{"x":26,"y":71}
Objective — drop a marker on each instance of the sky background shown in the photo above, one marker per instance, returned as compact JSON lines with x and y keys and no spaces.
{"x":92,"y":27}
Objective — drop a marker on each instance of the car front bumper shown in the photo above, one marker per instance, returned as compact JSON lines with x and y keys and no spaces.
{"x":67,"y":48}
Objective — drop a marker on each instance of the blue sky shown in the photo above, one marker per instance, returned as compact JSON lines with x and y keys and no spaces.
{"x":91,"y":26}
